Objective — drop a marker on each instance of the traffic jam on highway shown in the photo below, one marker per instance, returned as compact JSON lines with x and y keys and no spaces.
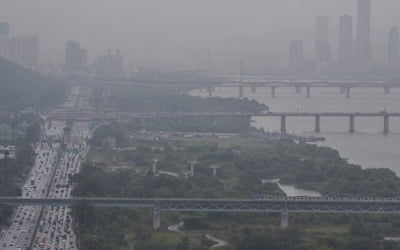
{"x":55,"y":229}
{"x":57,"y":160}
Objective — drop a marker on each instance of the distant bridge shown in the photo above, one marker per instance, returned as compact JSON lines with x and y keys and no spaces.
{"x":86,"y":115}
{"x":274,"y":204}
{"x":240,"y":83}
{"x":282,"y":205}
{"x":237,"y":81}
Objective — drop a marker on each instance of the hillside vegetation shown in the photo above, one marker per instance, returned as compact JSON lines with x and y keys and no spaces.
{"x":21,"y":88}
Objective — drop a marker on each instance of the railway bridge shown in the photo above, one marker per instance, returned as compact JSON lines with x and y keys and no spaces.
{"x":282,"y":205}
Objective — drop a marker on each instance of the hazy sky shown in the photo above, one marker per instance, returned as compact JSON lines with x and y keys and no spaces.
{"x":182,"y":31}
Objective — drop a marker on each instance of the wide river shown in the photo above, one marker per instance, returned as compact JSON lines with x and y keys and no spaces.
{"x":368,"y":146}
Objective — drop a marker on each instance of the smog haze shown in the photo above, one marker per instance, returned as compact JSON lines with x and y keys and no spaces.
{"x":180,"y":32}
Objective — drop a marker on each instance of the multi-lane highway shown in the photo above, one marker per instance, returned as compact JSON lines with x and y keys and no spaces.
{"x":19,"y":234}
{"x":36,"y":227}
{"x":55,"y":226}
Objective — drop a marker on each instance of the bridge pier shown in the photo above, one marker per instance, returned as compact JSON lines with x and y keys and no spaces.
{"x":317,"y":123}
{"x":154,"y":167}
{"x":156,"y":217}
{"x":386,"y":124}
{"x":240,"y":89}
{"x":273,"y":88}
{"x":283,"y":124}
{"x":192,"y":167}
{"x":209,"y":90}
{"x":308,"y":91}
{"x":387,"y":90}
{"x":352,"y":124}
{"x":348,"y":90}
{"x":253,"y":89}
{"x":342,"y":90}
{"x":298,"y":90}
{"x":214,"y":169}
{"x":284,"y":220}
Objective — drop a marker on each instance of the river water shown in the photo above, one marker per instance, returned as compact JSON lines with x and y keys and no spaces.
{"x":368,"y":146}
{"x":291,"y":190}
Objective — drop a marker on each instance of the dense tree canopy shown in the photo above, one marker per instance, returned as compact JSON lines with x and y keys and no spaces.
{"x":21,"y":88}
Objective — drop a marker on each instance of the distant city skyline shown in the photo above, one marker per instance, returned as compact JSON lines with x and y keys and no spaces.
{"x":142,"y":30}
{"x":24,"y":49}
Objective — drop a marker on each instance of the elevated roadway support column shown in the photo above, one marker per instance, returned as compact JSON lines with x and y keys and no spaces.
{"x":352,"y":124}
{"x":348,"y":91}
{"x":298,"y":90}
{"x":284,"y":220}
{"x":214,"y":169}
{"x":240,"y":89}
{"x":156,"y":217}
{"x":342,"y":90}
{"x":317,"y":123}
{"x":154,"y":167}
{"x":209,"y":91}
{"x":308,"y":91}
{"x":253,"y":89}
{"x":273,"y":88}
{"x":387,"y":90}
{"x":192,"y":167}
{"x":283,"y":124}
{"x":386,"y":124}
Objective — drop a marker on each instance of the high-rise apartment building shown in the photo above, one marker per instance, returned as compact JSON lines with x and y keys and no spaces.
{"x":4,"y":33}
{"x":296,"y":55}
{"x":109,"y":65}
{"x":345,"y":50}
{"x":24,"y":50}
{"x":322,"y":46}
{"x":4,"y":29}
{"x":363,"y":38}
{"x":75,"y":57}
{"x":29,"y":52}
{"x":393,"y":47}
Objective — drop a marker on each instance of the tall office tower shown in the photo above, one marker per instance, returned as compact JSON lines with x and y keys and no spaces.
{"x":363,"y":38}
{"x":4,"y":32}
{"x":322,"y":46}
{"x":75,"y":57}
{"x":345,"y":51}
{"x":393,"y":47}
{"x":296,"y":55}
